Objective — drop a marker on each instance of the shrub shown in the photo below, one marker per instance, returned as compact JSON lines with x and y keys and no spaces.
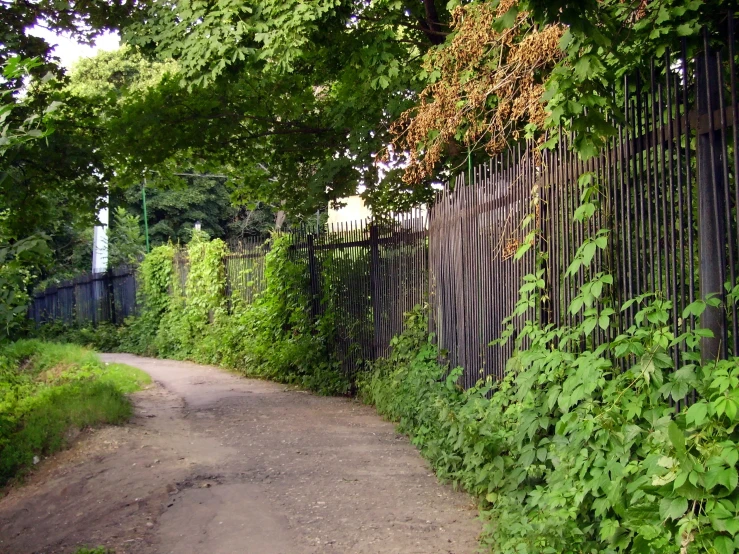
{"x":274,"y":337}
{"x":580,"y":449}
{"x":105,"y":337}
{"x":155,"y":277}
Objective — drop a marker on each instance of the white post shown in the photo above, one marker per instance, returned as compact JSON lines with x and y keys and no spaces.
{"x":100,"y":242}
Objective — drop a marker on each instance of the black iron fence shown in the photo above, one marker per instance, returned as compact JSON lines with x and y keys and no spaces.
{"x":91,"y":298}
{"x":367,"y":275}
{"x":666,"y":186}
{"x":244,"y":265}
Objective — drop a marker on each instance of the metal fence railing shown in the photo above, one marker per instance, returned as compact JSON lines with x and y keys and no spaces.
{"x":667,"y":190}
{"x":91,"y":298}
{"x":668,"y":195}
{"x":369,"y":275}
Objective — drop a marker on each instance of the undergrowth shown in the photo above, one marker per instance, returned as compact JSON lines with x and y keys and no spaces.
{"x":608,"y":434}
{"x":274,"y":337}
{"x":48,"y":390}
{"x":104,"y":337}
{"x":589,"y":444}
{"x":569,"y":453}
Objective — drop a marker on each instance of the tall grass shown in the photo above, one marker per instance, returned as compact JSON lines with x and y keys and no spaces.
{"x":48,"y":390}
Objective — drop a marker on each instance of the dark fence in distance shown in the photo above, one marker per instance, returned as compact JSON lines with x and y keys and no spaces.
{"x":667,"y":194}
{"x":90,"y":298}
{"x":244,"y":266}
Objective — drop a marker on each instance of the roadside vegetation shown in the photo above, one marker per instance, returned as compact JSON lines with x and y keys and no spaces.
{"x":581,"y":446}
{"x":274,"y":337}
{"x":570,"y":453}
{"x":48,"y":391}
{"x":624,"y":445}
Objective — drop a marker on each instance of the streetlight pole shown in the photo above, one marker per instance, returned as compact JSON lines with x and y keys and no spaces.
{"x":146,"y":218}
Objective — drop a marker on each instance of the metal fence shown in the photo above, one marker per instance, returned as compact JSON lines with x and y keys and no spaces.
{"x":667,"y":192}
{"x":91,"y":298}
{"x":668,"y":196}
{"x":368,"y":275}
{"x":244,"y":266}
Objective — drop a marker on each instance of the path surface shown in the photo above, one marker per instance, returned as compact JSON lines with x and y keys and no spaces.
{"x":213,"y":463}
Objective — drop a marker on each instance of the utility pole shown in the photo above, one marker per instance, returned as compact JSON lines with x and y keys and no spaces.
{"x":100,"y":241}
{"x":146,"y":218}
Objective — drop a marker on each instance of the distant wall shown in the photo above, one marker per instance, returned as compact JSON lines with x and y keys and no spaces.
{"x":354,"y":210}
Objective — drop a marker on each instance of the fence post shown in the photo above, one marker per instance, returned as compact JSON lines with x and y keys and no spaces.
{"x":92,"y":299}
{"x":110,"y":278}
{"x":314,"y":284}
{"x":710,"y":206}
{"x":375,"y":288}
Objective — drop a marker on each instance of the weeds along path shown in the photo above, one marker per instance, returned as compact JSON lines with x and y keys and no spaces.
{"x":216,"y":463}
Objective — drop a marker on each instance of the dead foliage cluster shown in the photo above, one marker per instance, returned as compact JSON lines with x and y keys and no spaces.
{"x":489,"y":86}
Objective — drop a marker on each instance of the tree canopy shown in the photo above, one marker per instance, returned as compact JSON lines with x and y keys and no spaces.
{"x":299,"y":103}
{"x":300,"y":100}
{"x":296,"y":97}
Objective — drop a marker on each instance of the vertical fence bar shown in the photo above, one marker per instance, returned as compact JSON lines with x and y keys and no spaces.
{"x":710,"y":202}
{"x":313,"y":278}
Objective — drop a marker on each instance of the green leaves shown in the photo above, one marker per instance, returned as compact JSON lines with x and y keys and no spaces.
{"x":587,"y":250}
{"x":274,"y":89}
{"x":506,"y":20}
{"x":696,"y":414}
{"x":673,"y":508}
{"x":273,"y":336}
{"x":583,"y":441}
{"x":589,"y":66}
{"x":677,"y":438}
{"x":724,"y":545}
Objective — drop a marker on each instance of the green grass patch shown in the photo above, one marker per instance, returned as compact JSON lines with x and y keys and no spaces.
{"x":48,"y":390}
{"x":125,"y":378}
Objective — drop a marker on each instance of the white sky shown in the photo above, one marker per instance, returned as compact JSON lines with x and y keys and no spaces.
{"x":69,"y":50}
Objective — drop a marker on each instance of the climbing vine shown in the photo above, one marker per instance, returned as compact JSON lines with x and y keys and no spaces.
{"x":586,"y":445}
{"x":285,"y":340}
{"x":276,"y":336}
{"x":154,"y":301}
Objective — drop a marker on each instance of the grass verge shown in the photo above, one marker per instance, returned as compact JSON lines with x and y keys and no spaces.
{"x":48,"y":390}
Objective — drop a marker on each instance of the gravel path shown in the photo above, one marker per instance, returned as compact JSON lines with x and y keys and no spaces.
{"x":213,"y":463}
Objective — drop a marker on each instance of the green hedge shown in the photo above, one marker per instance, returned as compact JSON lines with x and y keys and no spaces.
{"x":274,"y":337}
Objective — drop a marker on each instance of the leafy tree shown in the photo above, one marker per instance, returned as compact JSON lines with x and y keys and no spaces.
{"x":295,"y":97}
{"x":522,"y":67}
{"x":255,"y":221}
{"x":14,"y":131}
{"x":83,"y":20}
{"x":173,"y":211}
{"x":50,"y":170}
{"x":19,"y":265}
{"x":126,"y":243}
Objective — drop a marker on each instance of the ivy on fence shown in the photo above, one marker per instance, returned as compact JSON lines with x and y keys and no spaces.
{"x":585,"y":445}
{"x":274,"y":336}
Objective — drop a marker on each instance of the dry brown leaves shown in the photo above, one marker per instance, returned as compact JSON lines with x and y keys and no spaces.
{"x":490,"y":86}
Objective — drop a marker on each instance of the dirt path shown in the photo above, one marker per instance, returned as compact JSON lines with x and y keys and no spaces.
{"x":216,"y":464}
